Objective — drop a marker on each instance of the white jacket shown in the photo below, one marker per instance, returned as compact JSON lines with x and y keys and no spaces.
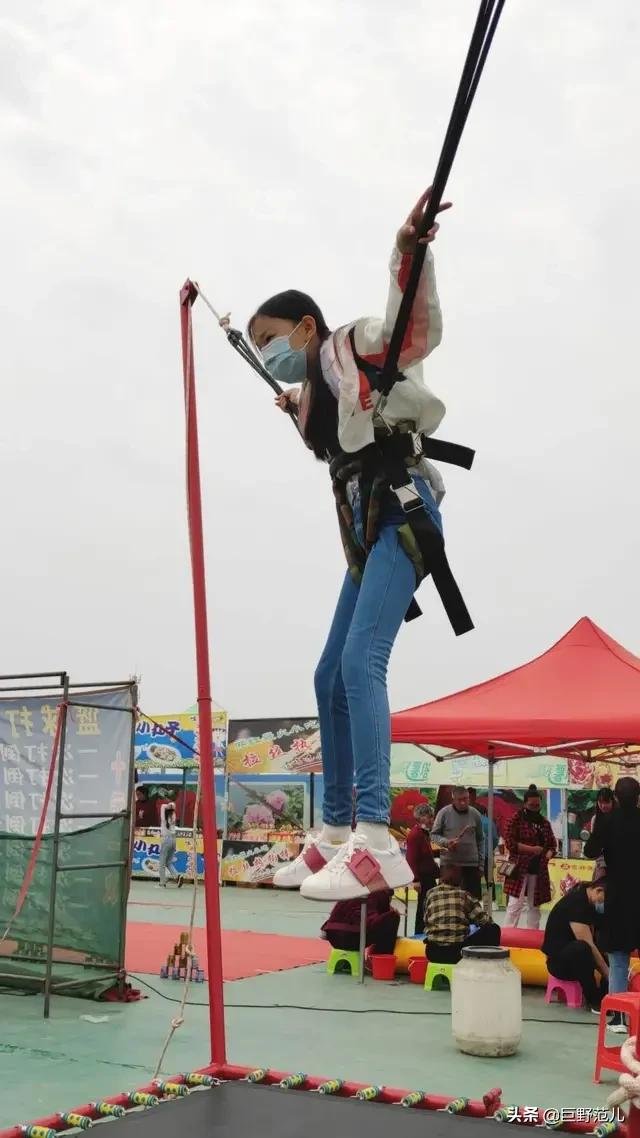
{"x":410,"y":399}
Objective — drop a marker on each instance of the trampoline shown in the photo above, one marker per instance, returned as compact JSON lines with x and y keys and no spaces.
{"x":240,"y":1108}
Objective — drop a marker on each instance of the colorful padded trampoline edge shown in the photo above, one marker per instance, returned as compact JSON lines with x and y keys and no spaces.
{"x":176,"y":1086}
{"x":114,"y":1107}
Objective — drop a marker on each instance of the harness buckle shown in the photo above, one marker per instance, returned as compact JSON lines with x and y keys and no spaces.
{"x":416,"y":442}
{"x":408,"y":497}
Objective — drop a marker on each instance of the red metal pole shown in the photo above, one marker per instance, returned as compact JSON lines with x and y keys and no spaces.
{"x":633,"y":1119}
{"x":207,"y":782}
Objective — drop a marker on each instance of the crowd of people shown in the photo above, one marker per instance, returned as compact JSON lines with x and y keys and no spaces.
{"x":591,"y":931}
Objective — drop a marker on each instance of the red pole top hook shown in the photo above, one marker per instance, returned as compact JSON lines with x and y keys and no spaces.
{"x":188,"y":293}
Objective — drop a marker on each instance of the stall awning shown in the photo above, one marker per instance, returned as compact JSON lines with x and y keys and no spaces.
{"x":582,"y":695}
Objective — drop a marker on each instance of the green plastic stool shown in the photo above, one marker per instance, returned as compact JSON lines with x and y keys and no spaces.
{"x":340,"y":957}
{"x":436,"y":970}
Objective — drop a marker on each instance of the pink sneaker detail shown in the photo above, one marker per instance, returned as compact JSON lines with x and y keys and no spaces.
{"x":313,"y":859}
{"x":366,"y":869}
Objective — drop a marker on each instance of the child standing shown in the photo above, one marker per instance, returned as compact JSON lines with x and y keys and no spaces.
{"x":168,"y":845}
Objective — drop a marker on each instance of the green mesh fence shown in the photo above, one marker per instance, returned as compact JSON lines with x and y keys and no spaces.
{"x":89,"y":910}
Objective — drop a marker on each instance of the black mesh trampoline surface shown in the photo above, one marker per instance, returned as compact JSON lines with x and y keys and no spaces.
{"x":239,"y":1109}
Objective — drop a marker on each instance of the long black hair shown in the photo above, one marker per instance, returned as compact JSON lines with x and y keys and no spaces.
{"x":321,"y":427}
{"x":628,"y":792}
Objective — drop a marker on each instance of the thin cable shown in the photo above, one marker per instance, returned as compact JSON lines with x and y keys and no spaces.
{"x":246,"y":352}
{"x":348,"y":1011}
{"x":178,"y":1020}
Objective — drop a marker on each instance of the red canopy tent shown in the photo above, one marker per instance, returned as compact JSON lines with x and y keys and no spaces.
{"x":580,"y":696}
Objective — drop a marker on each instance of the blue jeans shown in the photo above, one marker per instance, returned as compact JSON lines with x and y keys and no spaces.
{"x":618,"y":971}
{"x":351,"y":678}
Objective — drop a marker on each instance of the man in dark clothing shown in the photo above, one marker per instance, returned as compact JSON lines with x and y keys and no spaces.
{"x":616,"y":837}
{"x":450,"y":912}
{"x":342,"y":929}
{"x":420,"y":857}
{"x":568,"y":940}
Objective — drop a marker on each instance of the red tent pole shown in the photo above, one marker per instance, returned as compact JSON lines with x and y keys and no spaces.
{"x":207,"y":782}
{"x":633,"y":1120}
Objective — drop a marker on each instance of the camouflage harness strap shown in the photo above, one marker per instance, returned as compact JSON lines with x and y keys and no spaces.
{"x":383,"y":468}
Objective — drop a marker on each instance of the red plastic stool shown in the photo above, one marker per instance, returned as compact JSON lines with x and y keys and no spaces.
{"x":571,"y":990}
{"x":629,"y":1004}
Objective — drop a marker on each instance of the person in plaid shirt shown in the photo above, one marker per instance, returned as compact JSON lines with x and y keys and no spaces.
{"x":449,"y":913}
{"x":531,"y":843}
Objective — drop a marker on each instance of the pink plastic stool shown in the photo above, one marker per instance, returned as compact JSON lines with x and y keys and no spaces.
{"x":571,"y":990}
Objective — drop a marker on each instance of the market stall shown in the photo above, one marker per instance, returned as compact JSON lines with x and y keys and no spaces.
{"x":273,"y":770}
{"x":579,"y":702}
{"x":166,"y":762}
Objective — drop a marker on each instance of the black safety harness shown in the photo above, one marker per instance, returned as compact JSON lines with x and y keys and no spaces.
{"x":382,"y":469}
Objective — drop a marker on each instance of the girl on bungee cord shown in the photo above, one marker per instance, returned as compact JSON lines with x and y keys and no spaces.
{"x":331,"y":379}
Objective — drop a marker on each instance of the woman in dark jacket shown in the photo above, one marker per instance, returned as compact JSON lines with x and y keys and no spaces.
{"x":616,"y":837}
{"x":342,"y":929}
{"x":420,"y":857}
{"x":530,"y":842}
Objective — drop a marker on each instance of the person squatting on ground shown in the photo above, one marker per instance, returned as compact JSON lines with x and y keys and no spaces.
{"x":531,"y":844}
{"x":336,"y":409}
{"x":569,"y":944}
{"x":342,"y":928}
{"x":420,"y":857}
{"x":450,"y":914}
{"x":459,"y":832}
{"x":167,"y":845}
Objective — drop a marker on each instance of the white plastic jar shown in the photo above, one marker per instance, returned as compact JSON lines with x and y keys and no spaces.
{"x":486,"y":1003}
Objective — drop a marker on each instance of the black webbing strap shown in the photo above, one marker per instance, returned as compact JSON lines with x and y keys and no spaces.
{"x":489,"y":13}
{"x":432,"y":550}
{"x":372,"y":372}
{"x":400,"y":445}
{"x":453,"y":453}
{"x":425,"y":532}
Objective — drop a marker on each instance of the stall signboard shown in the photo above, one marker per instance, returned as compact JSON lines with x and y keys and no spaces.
{"x":601,"y":771}
{"x":412,"y":766}
{"x":97,"y":759}
{"x":274,"y":746}
{"x":262,"y":805}
{"x":146,"y":854}
{"x":254,"y":863}
{"x":564,"y":873}
{"x":165,"y":741}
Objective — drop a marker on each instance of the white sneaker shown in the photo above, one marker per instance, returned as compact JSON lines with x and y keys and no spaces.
{"x":312,"y":858}
{"x":358,"y":870}
{"x":617,"y":1024}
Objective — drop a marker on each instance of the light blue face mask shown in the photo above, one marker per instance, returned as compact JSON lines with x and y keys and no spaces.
{"x":287,"y":365}
{"x":599,"y":906}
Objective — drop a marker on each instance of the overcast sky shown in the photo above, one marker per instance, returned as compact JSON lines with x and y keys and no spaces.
{"x":258,"y":146}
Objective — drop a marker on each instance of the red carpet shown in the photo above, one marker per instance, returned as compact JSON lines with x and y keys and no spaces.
{"x":243,"y":953}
